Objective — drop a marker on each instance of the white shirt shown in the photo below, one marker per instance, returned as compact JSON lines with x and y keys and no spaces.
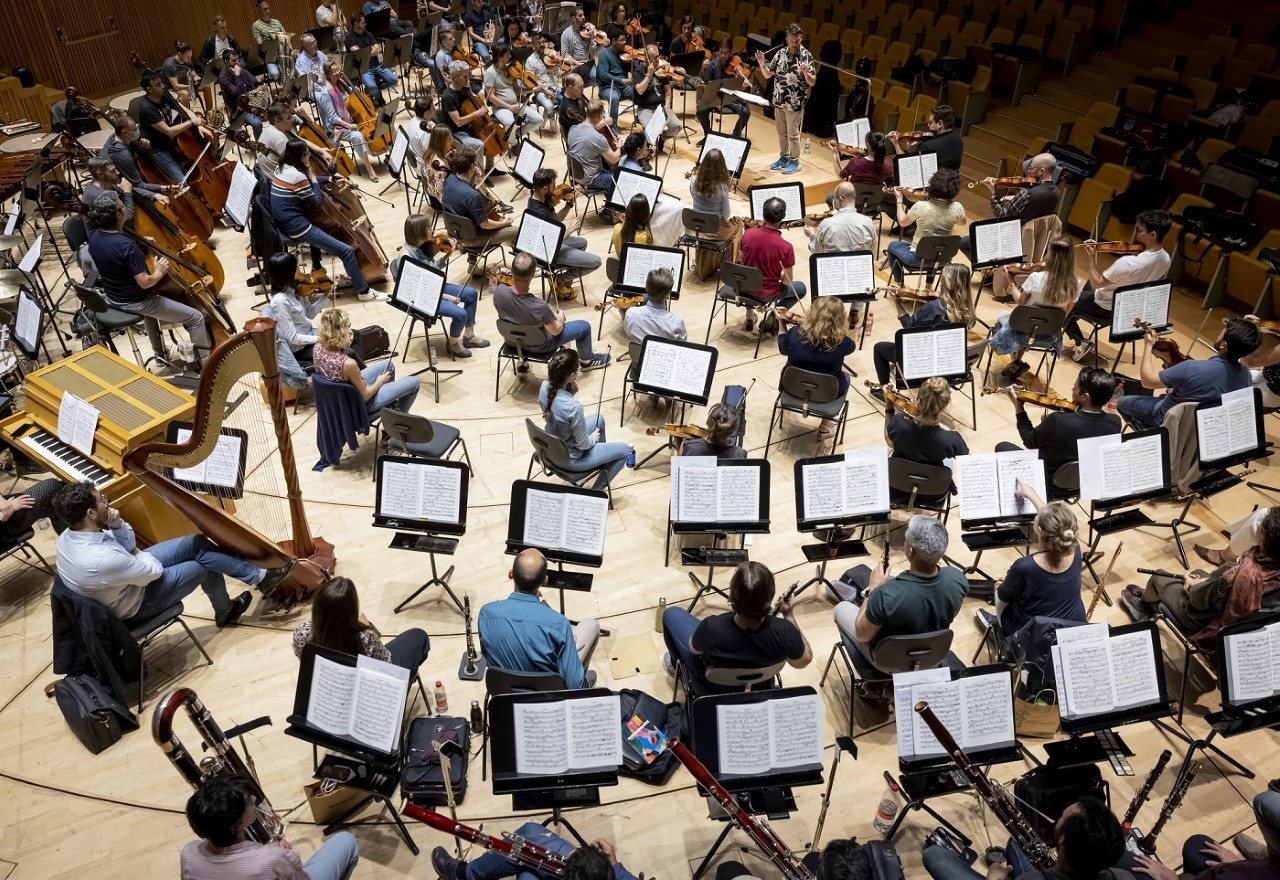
{"x":845,"y":230}
{"x":419,"y":133}
{"x":104,"y":566}
{"x":293,"y":318}
{"x":325,"y":16}
{"x":1136,"y":269}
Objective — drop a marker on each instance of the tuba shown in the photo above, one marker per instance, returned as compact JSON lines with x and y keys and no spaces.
{"x":269,"y":826}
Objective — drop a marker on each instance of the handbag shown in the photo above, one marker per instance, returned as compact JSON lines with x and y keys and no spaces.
{"x":371,"y":342}
{"x":328,"y":800}
{"x":1037,"y":719}
{"x":94,"y":715}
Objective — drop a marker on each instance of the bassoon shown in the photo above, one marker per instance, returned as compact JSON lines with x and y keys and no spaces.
{"x":512,"y":846}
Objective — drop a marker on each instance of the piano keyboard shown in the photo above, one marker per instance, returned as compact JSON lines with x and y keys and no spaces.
{"x":49,"y":449}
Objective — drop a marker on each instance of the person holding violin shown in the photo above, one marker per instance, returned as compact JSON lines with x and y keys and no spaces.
{"x":457,"y":303}
{"x":793,"y":67}
{"x":820,"y":343}
{"x":636,"y":224}
{"x":1024,"y":203}
{"x":293,"y":313}
{"x":448,"y":40}
{"x":117,"y":149}
{"x":943,"y":139}
{"x":460,"y":194}
{"x":563,"y":417}
{"x":685,"y":40}
{"x":375,"y":77}
{"x":655,"y":317}
{"x":637,"y":154}
{"x":1191,"y":381}
{"x":218,"y":42}
{"x":267,"y":30}
{"x":611,"y":75}
{"x":577,"y":41}
{"x":518,"y":304}
{"x":572,"y":106}
{"x":722,"y":66}
{"x":1152,"y":264}
{"x":500,"y":92}
{"x":720,"y":438}
{"x":574,"y":252}
{"x":953,"y":305}
{"x":1264,"y":364}
{"x":1055,"y":287}
{"x":847,"y":229}
{"x":651,"y":91}
{"x":126,"y":281}
{"x":435,"y":163}
{"x":162,"y":121}
{"x":477,"y":21}
{"x":937,"y":215}
{"x":592,"y":151}
{"x":1058,"y":433}
{"x":764,"y":248}
{"x":235,"y":82}
{"x":331,"y":105}
{"x":419,"y":129}
{"x":178,"y":74}
{"x":921,"y":438}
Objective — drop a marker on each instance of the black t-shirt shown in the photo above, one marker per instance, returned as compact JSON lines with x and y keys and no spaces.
{"x":541,"y":210}
{"x":477,"y":20}
{"x":723,"y":643}
{"x":927,"y":444}
{"x":948,"y":146}
{"x":652,"y":96}
{"x":571,"y":111}
{"x":118,"y":260}
{"x":149,"y":113}
{"x":452,"y":100}
{"x":1056,"y":436}
{"x":1031,"y":591}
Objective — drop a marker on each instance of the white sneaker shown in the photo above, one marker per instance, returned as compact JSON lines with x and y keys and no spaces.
{"x":372,"y":295}
{"x":984,"y":618}
{"x":668,"y":665}
{"x":1082,"y":351}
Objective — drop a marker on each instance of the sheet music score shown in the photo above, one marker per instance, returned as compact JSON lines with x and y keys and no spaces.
{"x":222,"y":466}
{"x":733,"y":149}
{"x":790,"y":193}
{"x":853,"y":133}
{"x":77,"y":421}
{"x":914,"y":172}
{"x":709,"y":493}
{"x":26,"y":324}
{"x":843,"y":274}
{"x":631,"y":182}
{"x":856,"y":486}
{"x":1253,"y":664}
{"x":578,"y":734}
{"x":399,"y":146}
{"x":676,"y":368}
{"x":996,"y":242}
{"x":539,"y":238}
{"x":657,"y":122}
{"x":639,"y":260}
{"x":1150,"y":303}
{"x":28,"y":262}
{"x":240,"y":194}
{"x":934,"y":353}
{"x":986,"y":483}
{"x":904,"y":684}
{"x":1229,"y":429}
{"x":419,"y":288}
{"x":11,"y":222}
{"x":420,"y":491}
{"x":755,"y":738}
{"x":565,"y":521}
{"x":528,"y":162}
{"x":1110,"y":468}
{"x":978,"y":710}
{"x":364,"y":702}
{"x":1098,"y":673}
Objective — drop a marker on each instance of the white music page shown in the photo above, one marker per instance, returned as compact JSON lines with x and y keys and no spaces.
{"x":639,"y":260}
{"x":993,"y":242}
{"x":539,"y":238}
{"x":221,"y":467}
{"x":904,"y":684}
{"x":792,"y":194}
{"x":795,"y":728}
{"x":677,"y":368}
{"x":542,"y":738}
{"x":734,"y":150}
{"x":595,"y":737}
{"x":853,"y":133}
{"x":1228,"y":429}
{"x":742,"y":733}
{"x":846,"y":274}
{"x":419,"y":288}
{"x":631,"y":182}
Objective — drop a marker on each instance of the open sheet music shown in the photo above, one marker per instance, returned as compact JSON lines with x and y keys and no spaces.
{"x":1098,"y":673}
{"x":638,"y":260}
{"x":1148,"y":302}
{"x":399,"y":146}
{"x":576,"y":734}
{"x":631,"y":182}
{"x":1110,"y":468}
{"x":1230,"y":428}
{"x":851,"y":273}
{"x":26,"y":324}
{"x":853,"y":133}
{"x":702,"y":491}
{"x":914,"y":172}
{"x":987,"y":483}
{"x":417,"y":490}
{"x":528,"y":163}
{"x":792,"y":194}
{"x":933,"y":352}
{"x":856,"y":486}
{"x":683,"y":369}
{"x":565,"y":521}
{"x":1253,"y":664}
{"x":540,"y":238}
{"x":996,"y":241}
{"x":756,"y":738}
{"x":978,"y":710}
{"x":734,"y":150}
{"x":240,"y":194}
{"x":221,"y":469}
{"x":28,"y":262}
{"x":364,"y":702}
{"x":657,"y":122}
{"x":77,"y":421}
{"x":419,"y":288}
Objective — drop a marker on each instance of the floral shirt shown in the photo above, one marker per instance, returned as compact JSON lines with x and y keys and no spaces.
{"x":370,"y":644}
{"x":790,"y":89}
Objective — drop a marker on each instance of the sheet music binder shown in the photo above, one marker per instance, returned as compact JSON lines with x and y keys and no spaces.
{"x":502,"y":739}
{"x":715,"y":101}
{"x":232,"y":493}
{"x":807,"y":524}
{"x":1109,"y":503}
{"x":1161,"y":708}
{"x":1259,"y":450}
{"x":635,"y":181}
{"x":644,"y":383}
{"x":999,"y":753}
{"x":409,"y":266}
{"x":455,"y":526}
{"x":300,"y":727}
{"x":1122,"y":328}
{"x":982,"y":260}
{"x":516,"y":522}
{"x":741,"y":527}
{"x":537,"y":229}
{"x":706,"y":744}
{"x":1254,"y":711}
{"x":953,"y":331}
{"x":791,"y":193}
{"x":866,"y":261}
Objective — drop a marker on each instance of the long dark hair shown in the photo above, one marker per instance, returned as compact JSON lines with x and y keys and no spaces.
{"x":561,"y":369}
{"x":876,"y":145}
{"x":335,"y":617}
{"x":295,"y":154}
{"x":636,"y":218}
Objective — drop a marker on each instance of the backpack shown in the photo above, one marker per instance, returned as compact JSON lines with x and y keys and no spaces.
{"x":667,"y":717}
{"x":94,"y":715}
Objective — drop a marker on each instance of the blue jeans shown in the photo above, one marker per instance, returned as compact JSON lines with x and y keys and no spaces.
{"x":273,"y":71}
{"x":678,"y":626}
{"x":492,"y":866}
{"x":399,"y":393}
{"x":942,"y":864}
{"x":189,"y":562}
{"x":614,"y":455}
{"x":1141,"y":412}
{"x":409,"y":649}
{"x":788,"y":295}
{"x":614,"y":94}
{"x":901,"y":255}
{"x":336,"y":859}
{"x":168,"y":164}
{"x":460,"y":315}
{"x":255,"y":123}
{"x":483,"y":51}
{"x":602,"y":182}
{"x":376,"y":79}
{"x":577,"y":332}
{"x":318,"y":238}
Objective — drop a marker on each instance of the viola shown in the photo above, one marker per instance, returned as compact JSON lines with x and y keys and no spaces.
{"x":562,"y":192}
{"x":664,"y":71}
{"x":313,"y":282}
{"x":1115,"y":247}
{"x":735,"y":67}
{"x":621,"y":303}
{"x":522,"y":76}
{"x":911,"y":137}
{"x":844,"y":151}
{"x":1048,"y":401}
{"x":1027,"y":268}
{"x":896,"y":398}
{"x":909,"y":293}
{"x":696,"y":44}
{"x":501,"y":275}
{"x":441,"y":243}
{"x":1271,"y":327}
{"x":552,"y":60}
{"x":1009,"y":182}
{"x":684,"y":432}
{"x":1165,"y":349}
{"x":607,"y":130}
{"x":634,"y":27}
{"x":631,"y":53}
{"x":815,"y":219}
{"x":461,"y":54}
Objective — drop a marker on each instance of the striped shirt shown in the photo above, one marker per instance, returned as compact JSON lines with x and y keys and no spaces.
{"x":247,"y":860}
{"x":291,"y":195}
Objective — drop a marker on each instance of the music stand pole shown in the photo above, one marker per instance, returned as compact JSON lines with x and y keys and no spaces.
{"x":437,"y":579}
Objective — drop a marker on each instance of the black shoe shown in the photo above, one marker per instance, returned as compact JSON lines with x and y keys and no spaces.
{"x":497,"y":172}
{"x":987,"y":280}
{"x":239,"y":606}
{"x":877,"y":393}
{"x":701,"y":142}
{"x":447,"y":867}
{"x":274,"y":577}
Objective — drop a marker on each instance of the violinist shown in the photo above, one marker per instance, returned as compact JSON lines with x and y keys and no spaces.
{"x":572,"y":107}
{"x":793,"y":67}
{"x":1056,"y":288}
{"x":577,"y":42}
{"x":235,"y":82}
{"x":764,"y":248}
{"x":477,"y":21}
{"x":457,"y":303}
{"x":651,"y":93}
{"x":920,"y":438}
{"x":573,"y":253}
{"x":590,"y":150}
{"x":448,"y":39}
{"x":1150,"y":228}
{"x":847,"y":229}
{"x":124,"y":277}
{"x":612,"y":75}
{"x":460,"y":195}
{"x":276,"y":135}
{"x":618,"y":15}
{"x":709,"y":190}
{"x":684,"y":40}
{"x":1028,"y":202}
{"x":161,"y":122}
{"x":716,"y":69}
{"x":420,"y":127}
{"x":117,"y":150}
{"x":519,"y":304}
{"x":218,"y":42}
{"x":331,"y":104}
{"x":452,"y":102}
{"x":938,"y":215}
{"x":954,"y":305}
{"x":435,"y":162}
{"x":545,"y":95}
{"x":293,"y":313}
{"x":655,"y":317}
{"x":1264,"y":365}
{"x":876,"y":167}
{"x":1058,"y":433}
{"x":500,"y":92}
{"x":944,"y":139}
{"x":178,"y":74}
{"x":721,"y":435}
{"x":267,"y":29}
{"x":637,"y":154}
{"x":375,"y":77}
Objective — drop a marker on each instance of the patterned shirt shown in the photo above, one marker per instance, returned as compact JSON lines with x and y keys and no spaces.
{"x":268,"y":30}
{"x":790,"y":88}
{"x":370,"y":644}
{"x":246,"y":860}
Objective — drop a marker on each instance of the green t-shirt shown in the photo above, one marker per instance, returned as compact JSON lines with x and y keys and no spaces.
{"x":267,"y":30}
{"x":908,"y":604}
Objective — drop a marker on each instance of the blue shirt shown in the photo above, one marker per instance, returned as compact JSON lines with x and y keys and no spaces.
{"x":521,"y":634}
{"x":800,"y":353}
{"x":566,"y":421}
{"x":461,"y":198}
{"x":927,"y":314}
{"x":118,"y":260}
{"x":1197,"y":381}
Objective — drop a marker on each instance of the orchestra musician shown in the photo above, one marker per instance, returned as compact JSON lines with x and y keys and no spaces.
{"x":105,"y":178}
{"x":764,"y":248}
{"x":448,"y":39}
{"x":178,"y":74}
{"x":1054,"y":287}
{"x":1027,"y":202}
{"x":793,"y":67}
{"x":591,"y":150}
{"x":451,"y":102}
{"x":636,"y":224}
{"x":421,"y":125}
{"x":576,"y":43}
{"x":161,"y":121}
{"x":477,"y":21}
{"x":953,"y":305}
{"x":293,"y":313}
{"x":117,"y":150}
{"x":715,"y":70}
{"x":820,"y":343}
{"x":876,"y":167}
{"x":329,"y":15}
{"x":500,"y":92}
{"x":920,"y":438}
{"x":545,"y":96}
{"x":375,"y":77}
{"x":235,"y":81}
{"x":218,"y":42}
{"x":574,"y":250}
{"x":572,"y":106}
{"x":396,"y":27}
{"x":276,"y":134}
{"x":310,"y":61}
{"x":460,"y":194}
{"x":598,"y":861}
{"x":719,"y":438}
{"x":435,"y":163}
{"x":654,"y":317}
{"x":331,"y":105}
{"x":680,"y":43}
{"x":457,"y":303}
{"x":378,"y":386}
{"x":709,"y":189}
{"x":944,"y":139}
{"x":337,"y":623}
{"x":839,"y":860}
{"x":637,"y":154}
{"x":267,"y":29}
{"x":518,"y":304}
{"x":847,"y":229}
{"x":613,"y":78}
{"x":938,"y":215}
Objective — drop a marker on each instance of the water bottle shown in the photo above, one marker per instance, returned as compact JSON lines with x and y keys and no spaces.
{"x":871,"y":320}
{"x":886,"y":811}
{"x":442,"y":699}
{"x":658,"y":612}
{"x":477,"y":718}
{"x":808,"y":145}
{"x":631,"y":458}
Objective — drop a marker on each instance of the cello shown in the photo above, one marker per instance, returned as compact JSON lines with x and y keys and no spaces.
{"x":308,"y":131}
{"x":485,"y":127}
{"x":365,"y":115}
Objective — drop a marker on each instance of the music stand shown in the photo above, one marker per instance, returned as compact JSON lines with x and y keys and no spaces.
{"x":387,"y":118}
{"x":301,"y":87}
{"x":679,"y":371}
{"x":759,"y":794}
{"x":1006,"y":525}
{"x":527,"y":164}
{"x":266,"y":52}
{"x":417,"y":293}
{"x":395,"y":162}
{"x":923,"y":352}
{"x":355,"y":62}
{"x":1229,"y":433}
{"x":823,"y":505}
{"x":29,"y":326}
{"x":378,"y":23}
{"x":399,"y":50}
{"x":422,"y":500}
{"x":631,"y":182}
{"x":790,"y":193}
{"x":735,"y":151}
{"x":541,"y":239}
{"x":848,"y":276}
{"x":692,"y":63}
{"x":914,"y":170}
{"x":995,"y":242}
{"x":530,"y":524}
{"x":221,"y":474}
{"x":1147,"y":302}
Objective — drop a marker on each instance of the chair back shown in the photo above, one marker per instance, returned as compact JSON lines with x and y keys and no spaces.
{"x":611,"y":269}
{"x":92,"y":298}
{"x":867,"y":197}
{"x":75,"y":232}
{"x":936,"y":251}
{"x":1066,"y":479}
{"x":460,"y":228}
{"x":522,"y":337}
{"x":633,"y":354}
{"x":406,"y":428}
{"x":908,"y":653}
{"x":699,"y":222}
{"x":576,"y":172}
{"x":743,"y":679}
{"x":1042,"y":325}
{"x":340,"y":400}
{"x":812,"y":388}
{"x":918,"y":479}
{"x":499,"y":681}
{"x":740,"y":277}
{"x":548,"y":449}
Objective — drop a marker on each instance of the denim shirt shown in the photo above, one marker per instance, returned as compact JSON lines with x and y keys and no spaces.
{"x":522,"y":634}
{"x":566,"y":421}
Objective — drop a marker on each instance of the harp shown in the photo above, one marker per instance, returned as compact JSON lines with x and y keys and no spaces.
{"x":228,"y":383}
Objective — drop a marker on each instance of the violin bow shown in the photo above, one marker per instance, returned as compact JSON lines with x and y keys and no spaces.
{"x":600,"y":397}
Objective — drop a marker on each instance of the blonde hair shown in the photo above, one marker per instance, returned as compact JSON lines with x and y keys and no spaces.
{"x":825,"y":324}
{"x":1060,"y":284}
{"x":334,"y":327}
{"x":594,"y":109}
{"x":722,"y":422}
{"x":713,"y":175}
{"x":931,"y":399}
{"x":1057,"y":526}
{"x":953,"y":290}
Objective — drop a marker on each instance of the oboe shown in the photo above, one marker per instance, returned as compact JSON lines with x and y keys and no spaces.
{"x":791,"y":593}
{"x":995,"y":797}
{"x":1171,"y":803}
{"x":513,"y":846}
{"x":1141,"y":797}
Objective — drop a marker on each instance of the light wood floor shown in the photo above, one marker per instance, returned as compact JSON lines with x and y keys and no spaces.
{"x":119,"y":814}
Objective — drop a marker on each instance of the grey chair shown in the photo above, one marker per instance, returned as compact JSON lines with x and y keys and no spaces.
{"x":498,"y":681}
{"x":420,"y":436}
{"x":1042,"y":326}
{"x":578,"y":176}
{"x":521,"y":343}
{"x":104,"y":322}
{"x":551,"y":454}
{"x":700,"y":234}
{"x":928,"y":486}
{"x":1064,"y":483}
{"x":736,"y":278}
{"x":933,"y":252}
{"x":475,"y":243}
{"x":892,"y":654}
{"x":743,"y":678}
{"x":809,"y":394}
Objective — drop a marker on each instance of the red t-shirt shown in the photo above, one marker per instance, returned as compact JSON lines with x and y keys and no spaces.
{"x":765,"y":249}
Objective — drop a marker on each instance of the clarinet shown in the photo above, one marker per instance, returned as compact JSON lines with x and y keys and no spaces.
{"x":1141,"y":797}
{"x":1171,"y":803}
{"x":512,"y":846}
{"x":770,"y":844}
{"x":471,"y":645}
{"x":995,"y":797}
{"x":791,"y":593}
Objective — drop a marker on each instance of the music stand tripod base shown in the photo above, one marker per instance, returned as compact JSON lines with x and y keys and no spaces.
{"x":477,"y":664}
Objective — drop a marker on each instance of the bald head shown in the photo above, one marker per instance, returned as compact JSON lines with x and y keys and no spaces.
{"x":529,"y":571}
{"x":845,"y":193}
{"x":1042,"y":165}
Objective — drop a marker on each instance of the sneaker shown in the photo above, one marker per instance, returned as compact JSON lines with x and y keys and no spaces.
{"x":274,"y":577}
{"x":590,"y":678}
{"x":791,"y":167}
{"x":1254,"y":850}
{"x":700,"y":143}
{"x":497,"y":172}
{"x":782,"y":161}
{"x":1081,"y":351}
{"x":239,"y":605}
{"x":984,"y":618}
{"x":446,"y":866}
{"x":372,"y":296}
{"x":667,"y":664}
{"x":595,"y":362}
{"x":1131,"y":599}
{"x":475,"y":342}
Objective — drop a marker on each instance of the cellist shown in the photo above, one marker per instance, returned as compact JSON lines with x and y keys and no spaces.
{"x":452,"y":102}
{"x":276,"y":135}
{"x":161,"y":122}
{"x":460,"y":194}
{"x":332,"y":107}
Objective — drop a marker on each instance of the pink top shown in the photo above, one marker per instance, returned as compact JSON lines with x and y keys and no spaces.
{"x":329,"y":363}
{"x":370,"y":644}
{"x":247,"y":860}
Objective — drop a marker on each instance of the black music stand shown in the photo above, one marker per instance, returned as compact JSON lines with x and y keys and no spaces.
{"x":988,"y":533}
{"x":841,"y":275}
{"x":326,"y":38}
{"x":681,"y":380}
{"x":519,"y":540}
{"x":417,"y":293}
{"x":1152,"y":307}
{"x":833,"y":529}
{"x":1215,"y":466}
{"x":355,"y":62}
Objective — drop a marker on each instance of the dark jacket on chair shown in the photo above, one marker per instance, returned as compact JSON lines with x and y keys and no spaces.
{"x":340,"y":415}
{"x":88,"y":639}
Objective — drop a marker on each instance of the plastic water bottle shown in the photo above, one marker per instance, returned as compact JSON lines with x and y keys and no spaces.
{"x":871,"y":320}
{"x":477,"y":718}
{"x":886,"y":812}
{"x":658,"y":612}
{"x":631,"y":458}
{"x":808,"y":145}
{"x":442,"y":699}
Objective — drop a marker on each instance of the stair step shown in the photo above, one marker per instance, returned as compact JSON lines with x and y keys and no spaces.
{"x":1119,"y":68}
{"x":1071,"y":102}
{"x":1038,"y":117}
{"x":1006,"y":142}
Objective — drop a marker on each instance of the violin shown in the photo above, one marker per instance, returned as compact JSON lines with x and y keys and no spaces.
{"x":896,"y":399}
{"x":591,"y":35}
{"x":684,"y":432}
{"x":317,"y":281}
{"x":461,"y":54}
{"x":1271,"y":327}
{"x":910,"y":137}
{"x":562,"y":192}
{"x":696,"y":44}
{"x":1165,"y":349}
{"x":909,"y":293}
{"x":522,"y":76}
{"x":911,"y":195}
{"x":1116,"y":247}
{"x":844,"y":151}
{"x":1048,"y":401}
{"x":635,"y":28}
{"x":631,"y":53}
{"x":553,"y":60}
{"x":665,"y":71}
{"x":1026,"y":268}
{"x":442,"y":244}
{"x":815,"y":219}
{"x":607,"y":130}
{"x":501,"y":275}
{"x":1009,"y":182}
{"x":622,"y":303}
{"x":735,"y":67}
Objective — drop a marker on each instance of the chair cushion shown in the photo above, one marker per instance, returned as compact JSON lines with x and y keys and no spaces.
{"x":830,"y":410}
{"x":138,"y":628}
{"x":442,"y":438}
{"x":113,"y":319}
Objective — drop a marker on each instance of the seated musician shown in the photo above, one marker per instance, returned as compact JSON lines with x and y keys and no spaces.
{"x":276,"y":135}
{"x":117,"y":149}
{"x":637,"y":154}
{"x":595,"y":862}
{"x":523,"y":634}
{"x":574,"y":252}
{"x":572,"y":106}
{"x":396,"y":26}
{"x":1150,"y":228}
{"x":518,"y":304}
{"x":105,"y":178}
{"x":444,"y":56}
{"x":500,"y":92}
{"x":453,"y":100}
{"x":161,"y":122}
{"x":1243,"y":534}
{"x":331,"y":105}
{"x":269,"y":30}
{"x":635,"y":226}
{"x":457,"y":303}
{"x":839,"y":860}
{"x":328,"y":14}
{"x":819,"y":343}
{"x":1023,"y":203}
{"x":293,"y":313}
{"x":477,"y":20}
{"x":310,"y":61}
{"x":576,"y":43}
{"x":218,"y":42}
{"x":920,"y":438}
{"x":612,"y":75}
{"x":847,"y":229}
{"x":720,"y":436}
{"x":220,"y":811}
{"x":591,"y":150}
{"x":937,"y":215}
{"x":954,"y":305}
{"x":295,"y":192}
{"x":925,"y":598}
{"x":1054,"y":287}
{"x":435,"y":163}
{"x":1191,"y":381}
{"x":124,"y":278}
{"x":21,"y":511}
{"x":1203,"y":858}
{"x":680,"y":43}
{"x":876,"y":167}
{"x":177,"y":72}
{"x":545,"y":97}
{"x":98,"y":557}
{"x":713,"y":70}
{"x":375,"y":77}
{"x":655,"y":317}
{"x":421,"y":125}
{"x":1207,"y":602}
{"x":564,"y":418}
{"x":944,"y":139}
{"x":235,"y":82}
{"x":337,"y":623}
{"x":748,"y":637}
{"x":710,"y":189}
{"x":460,"y":194}
{"x":377,"y":384}
{"x":764,"y":248}
{"x":651,"y":93}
